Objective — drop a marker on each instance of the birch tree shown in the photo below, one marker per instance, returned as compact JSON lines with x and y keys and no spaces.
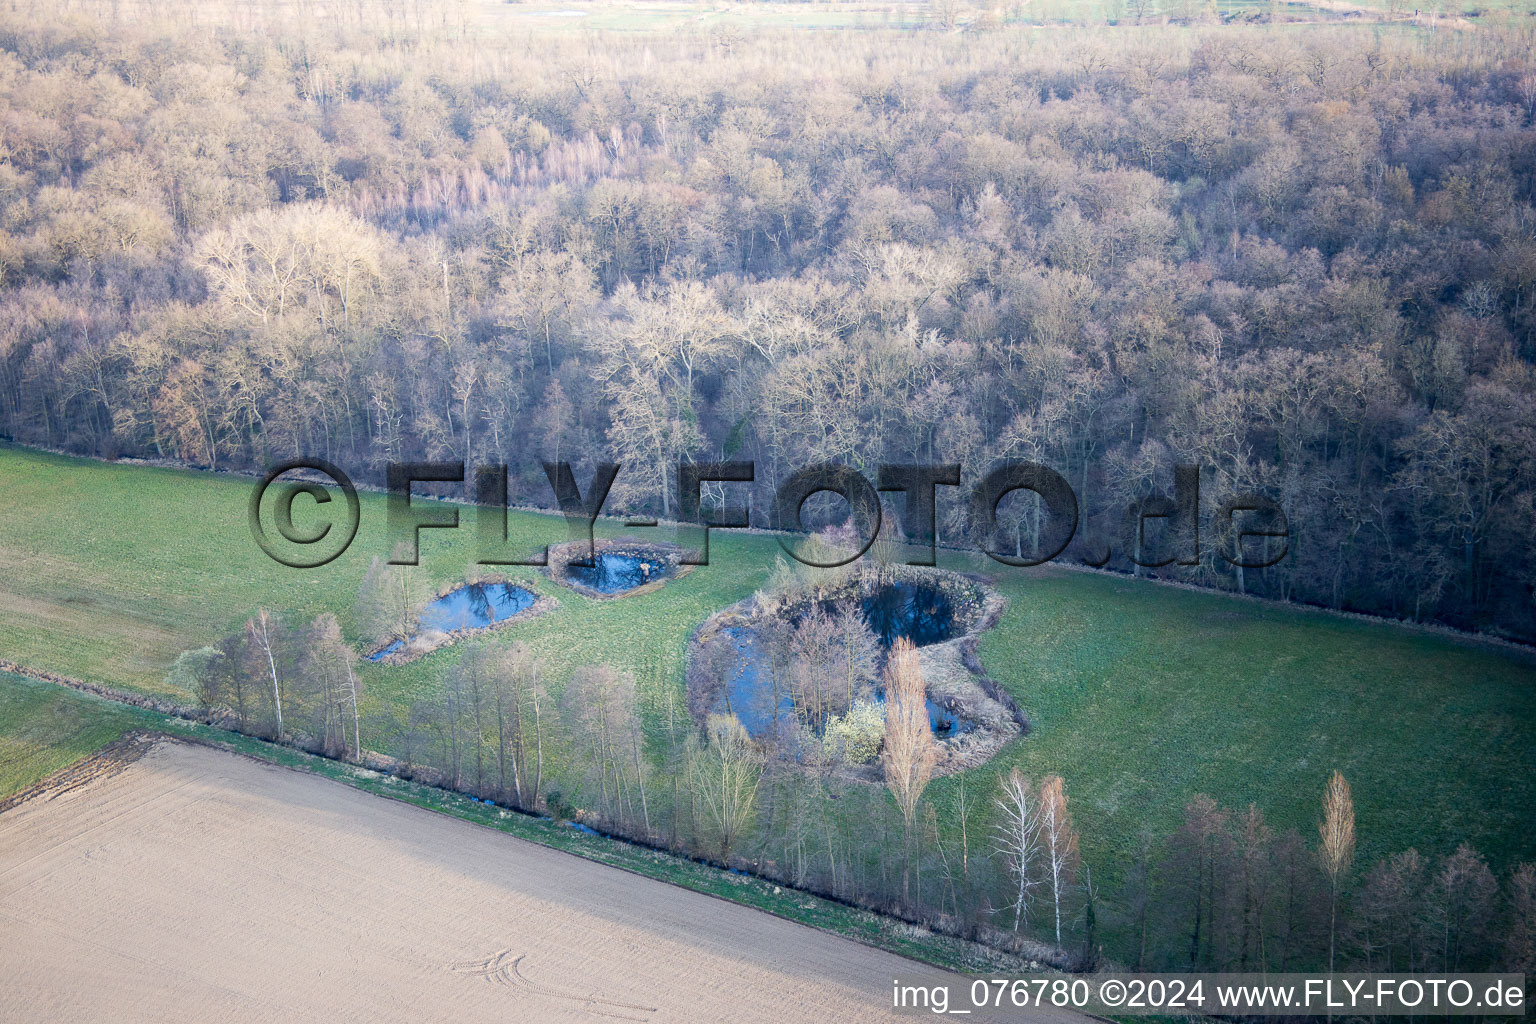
{"x":1058,"y":842}
{"x":1016,"y":838}
{"x":261,"y":630}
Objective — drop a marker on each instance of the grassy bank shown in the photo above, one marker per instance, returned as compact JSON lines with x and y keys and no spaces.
{"x":44,"y":727}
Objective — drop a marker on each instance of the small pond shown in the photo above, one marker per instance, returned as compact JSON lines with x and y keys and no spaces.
{"x":748,"y":693}
{"x":924,"y":615}
{"x":475,"y":606}
{"x":611,"y":573}
{"x":472,"y":606}
{"x":386,"y":650}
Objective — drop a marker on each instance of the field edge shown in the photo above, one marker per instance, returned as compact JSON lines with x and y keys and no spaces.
{"x":877,"y":931}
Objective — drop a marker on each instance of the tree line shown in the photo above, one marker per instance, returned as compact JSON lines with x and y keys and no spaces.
{"x":296,"y":683}
{"x":1223,"y":892}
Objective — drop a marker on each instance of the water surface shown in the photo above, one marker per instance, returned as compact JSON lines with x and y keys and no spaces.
{"x":475,"y":606}
{"x":386,"y":650}
{"x":911,"y":611}
{"x":749,"y":693}
{"x":611,"y":573}
{"x":472,"y":606}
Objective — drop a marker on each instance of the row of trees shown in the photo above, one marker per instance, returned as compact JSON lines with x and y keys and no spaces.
{"x":1224,"y":891}
{"x":294,"y":683}
{"x":1305,"y":262}
{"x":1227,"y":892}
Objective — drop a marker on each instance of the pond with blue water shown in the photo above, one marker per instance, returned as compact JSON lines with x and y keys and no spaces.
{"x":916,"y":612}
{"x":614,"y":573}
{"x":472,"y":606}
{"x":910,"y":611}
{"x":748,"y":694}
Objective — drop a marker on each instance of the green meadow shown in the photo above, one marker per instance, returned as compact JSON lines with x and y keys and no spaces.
{"x":45,"y":727}
{"x":1141,"y":695}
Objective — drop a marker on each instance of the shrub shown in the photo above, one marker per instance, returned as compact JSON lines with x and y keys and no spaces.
{"x":855,"y":737}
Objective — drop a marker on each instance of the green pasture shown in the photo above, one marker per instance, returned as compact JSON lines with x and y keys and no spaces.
{"x":1141,"y":694}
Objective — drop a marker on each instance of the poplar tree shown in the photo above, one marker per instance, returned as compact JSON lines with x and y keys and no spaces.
{"x":1337,"y":831}
{"x":910,"y":752}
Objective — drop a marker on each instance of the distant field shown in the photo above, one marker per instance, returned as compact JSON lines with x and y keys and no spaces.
{"x":1141,"y":695}
{"x":718,"y":20}
{"x":665,"y":15}
{"x":670,"y":16}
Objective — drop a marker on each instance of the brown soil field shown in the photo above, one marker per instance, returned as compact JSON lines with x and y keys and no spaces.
{"x":197,"y":885}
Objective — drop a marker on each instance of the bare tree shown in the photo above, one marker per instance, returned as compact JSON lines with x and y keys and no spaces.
{"x":535,"y":696}
{"x":388,"y":598}
{"x":728,"y":770}
{"x":349,"y":661}
{"x":599,"y":707}
{"x":1388,"y":923}
{"x":328,"y":664}
{"x":1463,"y":896}
{"x":1520,"y":938}
{"x":910,"y":752}
{"x":260,"y":629}
{"x":470,"y":685}
{"x":1253,"y":860}
{"x":814,"y":670}
{"x":1199,"y":861}
{"x":858,"y":652}
{"x":1138,"y":896}
{"x":1058,"y":840}
{"x":1337,"y":832}
{"x":202,"y":673}
{"x":508,"y":687}
{"x":1017,"y":839}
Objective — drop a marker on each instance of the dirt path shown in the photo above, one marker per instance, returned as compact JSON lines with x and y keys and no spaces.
{"x":196,"y":885}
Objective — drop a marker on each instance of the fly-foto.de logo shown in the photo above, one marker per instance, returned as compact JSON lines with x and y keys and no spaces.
{"x":1250,"y":530}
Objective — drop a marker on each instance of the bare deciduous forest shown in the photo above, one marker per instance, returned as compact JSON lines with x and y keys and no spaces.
{"x":1304,"y":260}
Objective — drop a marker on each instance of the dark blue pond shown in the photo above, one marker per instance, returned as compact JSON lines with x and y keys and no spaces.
{"x":613,"y":573}
{"x":748,"y":693}
{"x":923,"y":615}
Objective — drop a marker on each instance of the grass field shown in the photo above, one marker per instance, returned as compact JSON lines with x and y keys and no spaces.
{"x":1141,"y":694}
{"x":44,"y":727}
